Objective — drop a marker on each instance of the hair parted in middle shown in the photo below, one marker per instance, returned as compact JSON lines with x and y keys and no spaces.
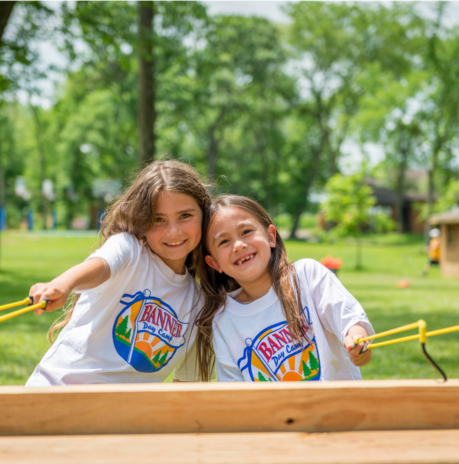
{"x":216,"y":285}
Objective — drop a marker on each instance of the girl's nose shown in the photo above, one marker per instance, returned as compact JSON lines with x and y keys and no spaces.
{"x":173,"y":227}
{"x":239,"y":245}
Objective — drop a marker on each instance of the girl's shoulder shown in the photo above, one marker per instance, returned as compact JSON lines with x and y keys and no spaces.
{"x":309,"y":266}
{"x":123,"y":238}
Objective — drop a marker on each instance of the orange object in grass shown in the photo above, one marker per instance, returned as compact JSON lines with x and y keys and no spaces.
{"x":403,"y":283}
{"x":330,"y":262}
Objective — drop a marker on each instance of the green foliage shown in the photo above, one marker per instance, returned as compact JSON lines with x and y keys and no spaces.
{"x":348,"y":204}
{"x":450,"y":198}
{"x":29,"y":21}
{"x":266,"y":109}
{"x":349,"y":209}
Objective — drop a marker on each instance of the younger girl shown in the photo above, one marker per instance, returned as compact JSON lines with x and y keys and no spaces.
{"x":138,"y":298}
{"x":271,"y":320}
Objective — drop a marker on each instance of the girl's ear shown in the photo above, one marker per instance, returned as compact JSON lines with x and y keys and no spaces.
{"x":213,"y":263}
{"x":272,"y":232}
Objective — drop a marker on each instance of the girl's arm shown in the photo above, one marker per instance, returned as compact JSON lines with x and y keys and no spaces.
{"x":357,"y":357}
{"x":84,"y":276}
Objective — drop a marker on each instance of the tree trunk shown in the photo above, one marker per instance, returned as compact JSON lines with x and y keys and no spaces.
{"x":312,"y":175}
{"x":2,"y":179}
{"x":2,"y":192}
{"x":5,"y":11}
{"x":41,"y":162}
{"x":296,"y":223}
{"x":358,"y":262}
{"x":212,"y":153}
{"x":404,"y":147}
{"x":431,"y":184}
{"x":146,"y":81}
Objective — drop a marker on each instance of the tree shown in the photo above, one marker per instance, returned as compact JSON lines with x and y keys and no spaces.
{"x":232,"y":73}
{"x":147,"y":41}
{"x":156,"y":358}
{"x":440,"y":107}
{"x":313,"y":362}
{"x":348,"y":205}
{"x":261,"y":377}
{"x":163,"y":358}
{"x":146,"y":113}
{"x":122,"y":327}
{"x":306,"y":371}
{"x":338,"y":47}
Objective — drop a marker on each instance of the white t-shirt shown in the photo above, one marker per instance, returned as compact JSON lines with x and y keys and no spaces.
{"x":252,"y":342}
{"x":135,"y":327}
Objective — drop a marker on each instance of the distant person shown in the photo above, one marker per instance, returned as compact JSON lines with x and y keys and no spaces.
{"x":137,"y":296}
{"x":433,"y":251}
{"x":267,"y":320}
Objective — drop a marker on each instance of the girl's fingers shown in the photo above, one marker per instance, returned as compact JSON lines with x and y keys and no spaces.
{"x":56,"y":299}
{"x":362,"y":359}
{"x":55,"y":295}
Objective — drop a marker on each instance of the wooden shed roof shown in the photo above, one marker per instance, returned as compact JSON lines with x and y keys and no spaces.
{"x":448,"y":217}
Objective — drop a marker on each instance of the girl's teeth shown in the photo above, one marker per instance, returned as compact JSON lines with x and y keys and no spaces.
{"x":244,"y":259}
{"x":176,"y":243}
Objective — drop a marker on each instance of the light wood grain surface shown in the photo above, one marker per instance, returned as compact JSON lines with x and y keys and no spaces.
{"x":226,"y":408}
{"x":401,"y":447}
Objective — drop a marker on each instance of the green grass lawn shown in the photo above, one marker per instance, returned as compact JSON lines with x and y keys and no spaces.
{"x":27,"y":258}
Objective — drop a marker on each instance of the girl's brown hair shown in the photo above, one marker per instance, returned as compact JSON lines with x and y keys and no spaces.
{"x":134,"y":211}
{"x":215,"y":285}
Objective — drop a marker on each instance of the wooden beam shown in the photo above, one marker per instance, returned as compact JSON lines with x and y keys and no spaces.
{"x":401,"y":447}
{"x":229,"y":407}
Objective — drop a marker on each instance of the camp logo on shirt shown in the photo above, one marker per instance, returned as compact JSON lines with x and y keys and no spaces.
{"x":147,"y":332}
{"x":272,"y":356}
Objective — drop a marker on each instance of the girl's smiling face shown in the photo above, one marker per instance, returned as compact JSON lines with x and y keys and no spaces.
{"x":240,"y":245}
{"x":177,"y":229}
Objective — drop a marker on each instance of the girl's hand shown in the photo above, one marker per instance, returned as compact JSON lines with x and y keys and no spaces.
{"x":357,"y":357}
{"x":55,"y":292}
{"x":84,"y":276}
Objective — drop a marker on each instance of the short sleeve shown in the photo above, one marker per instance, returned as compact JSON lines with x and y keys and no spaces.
{"x":227,"y":369}
{"x":338,"y":310}
{"x":118,"y":251}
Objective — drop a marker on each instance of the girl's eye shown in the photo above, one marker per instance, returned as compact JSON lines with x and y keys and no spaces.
{"x":159,"y":219}
{"x":246,"y":231}
{"x":185,"y":216}
{"x":223,"y":242}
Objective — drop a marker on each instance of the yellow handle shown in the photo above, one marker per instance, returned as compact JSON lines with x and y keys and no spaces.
{"x":42,"y":305}
{"x":25,"y":301}
{"x":422,"y":331}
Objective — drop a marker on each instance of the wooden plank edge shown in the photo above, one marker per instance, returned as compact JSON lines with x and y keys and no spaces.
{"x":228,"y":386}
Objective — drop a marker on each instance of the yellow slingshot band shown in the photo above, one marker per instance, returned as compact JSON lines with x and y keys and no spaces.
{"x":423,"y":334}
{"x":25,"y":301}
{"x":41,"y":305}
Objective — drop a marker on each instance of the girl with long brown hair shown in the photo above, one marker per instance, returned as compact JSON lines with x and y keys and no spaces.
{"x":265,"y":319}
{"x":137,"y":297}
